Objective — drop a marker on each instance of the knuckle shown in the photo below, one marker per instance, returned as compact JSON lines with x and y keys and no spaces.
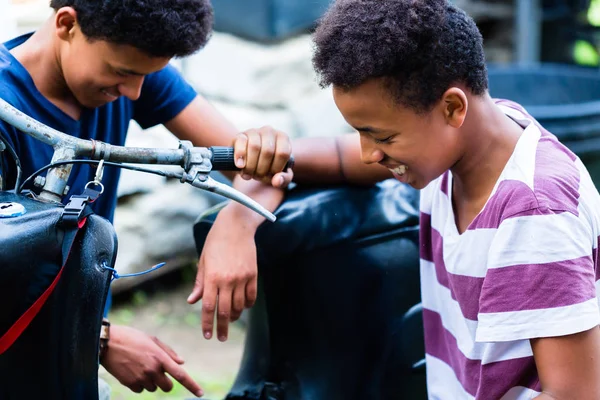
{"x":286,"y":152}
{"x":248,"y":275}
{"x":224,"y":314}
{"x":254,"y":145}
{"x":282,"y":137}
{"x":283,"y":154}
{"x":268,"y":150}
{"x":237,"y":309}
{"x":228,"y":279}
{"x":208,"y":307}
{"x":212,"y":276}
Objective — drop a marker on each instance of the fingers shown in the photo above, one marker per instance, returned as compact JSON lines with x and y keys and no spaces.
{"x":282,"y":153}
{"x":239,"y":302}
{"x":149,"y":385}
{"x":253,"y":153}
{"x":168,"y":350}
{"x":209,"y":305}
{"x":262,"y":152}
{"x":135,"y":388}
{"x":198,"y":290}
{"x":239,"y":150}
{"x":179,"y":374}
{"x":264,"y":165}
{"x":164,"y":383}
{"x":251,"y":292}
{"x":282,"y":179}
{"x":224,"y":313}
{"x":145,"y":381}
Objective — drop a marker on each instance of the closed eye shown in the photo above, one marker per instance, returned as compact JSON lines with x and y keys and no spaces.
{"x":384,"y":140}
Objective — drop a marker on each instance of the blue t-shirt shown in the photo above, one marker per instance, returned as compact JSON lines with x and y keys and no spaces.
{"x":164,"y":95}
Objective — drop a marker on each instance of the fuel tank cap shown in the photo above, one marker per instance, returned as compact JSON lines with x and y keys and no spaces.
{"x":11,"y":210}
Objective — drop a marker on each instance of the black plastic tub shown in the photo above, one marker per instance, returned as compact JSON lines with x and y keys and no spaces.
{"x":267,"y":20}
{"x":564,"y":99}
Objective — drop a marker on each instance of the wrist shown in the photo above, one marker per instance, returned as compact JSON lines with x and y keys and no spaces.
{"x":104,"y":337}
{"x":266,"y":195}
{"x":242,"y":218}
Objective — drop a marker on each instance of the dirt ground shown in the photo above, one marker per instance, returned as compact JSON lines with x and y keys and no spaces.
{"x":159,"y":308}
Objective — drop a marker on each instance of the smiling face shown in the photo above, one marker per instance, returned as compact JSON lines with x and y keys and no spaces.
{"x":96,"y":71}
{"x":416,"y":147}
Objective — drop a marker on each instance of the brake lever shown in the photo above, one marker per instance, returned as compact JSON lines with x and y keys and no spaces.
{"x":211,"y":185}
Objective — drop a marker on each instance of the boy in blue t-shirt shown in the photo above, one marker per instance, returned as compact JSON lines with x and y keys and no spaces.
{"x":89,"y":70}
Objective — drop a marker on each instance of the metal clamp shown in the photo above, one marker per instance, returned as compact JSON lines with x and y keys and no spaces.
{"x":98,"y":178}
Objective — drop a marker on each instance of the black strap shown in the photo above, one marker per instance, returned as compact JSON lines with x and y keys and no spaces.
{"x":78,"y":208}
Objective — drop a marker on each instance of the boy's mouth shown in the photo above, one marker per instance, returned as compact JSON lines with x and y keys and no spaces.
{"x":109,"y":95}
{"x":399,"y":170}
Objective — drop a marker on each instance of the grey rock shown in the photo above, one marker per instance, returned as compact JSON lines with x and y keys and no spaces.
{"x":158,"y":227}
{"x":233,"y":70}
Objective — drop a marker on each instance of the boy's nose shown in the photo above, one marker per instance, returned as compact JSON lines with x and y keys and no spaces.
{"x":132,"y":89}
{"x":370,"y":154}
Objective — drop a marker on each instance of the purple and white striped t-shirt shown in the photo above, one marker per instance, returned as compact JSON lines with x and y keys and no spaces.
{"x":525,"y":268}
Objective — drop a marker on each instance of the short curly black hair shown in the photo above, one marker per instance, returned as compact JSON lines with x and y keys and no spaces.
{"x":160,"y":28}
{"x":419,"y":47}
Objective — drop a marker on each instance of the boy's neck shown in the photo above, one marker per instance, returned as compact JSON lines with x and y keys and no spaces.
{"x":39,"y":55}
{"x":490,"y":138}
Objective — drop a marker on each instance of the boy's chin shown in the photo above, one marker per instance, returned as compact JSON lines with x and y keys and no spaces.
{"x":418,"y":184}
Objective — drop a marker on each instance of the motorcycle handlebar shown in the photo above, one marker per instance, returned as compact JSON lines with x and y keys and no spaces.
{"x":197,"y":162}
{"x":222,"y":159}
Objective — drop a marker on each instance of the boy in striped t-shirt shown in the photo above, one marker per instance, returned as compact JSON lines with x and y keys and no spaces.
{"x":524,"y":268}
{"x":510,"y":218}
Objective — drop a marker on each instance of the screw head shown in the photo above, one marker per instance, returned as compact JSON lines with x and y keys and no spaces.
{"x":39,"y":181}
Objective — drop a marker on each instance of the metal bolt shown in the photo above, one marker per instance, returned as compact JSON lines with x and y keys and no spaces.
{"x":39,"y":181}
{"x":66,"y":191}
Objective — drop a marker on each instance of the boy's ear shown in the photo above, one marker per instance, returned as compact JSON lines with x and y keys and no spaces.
{"x":65,"y":22}
{"x":455,"y":105}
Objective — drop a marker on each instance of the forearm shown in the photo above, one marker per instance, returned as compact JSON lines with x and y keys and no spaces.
{"x":327,"y":160}
{"x":334,"y":160}
{"x":266,"y":195}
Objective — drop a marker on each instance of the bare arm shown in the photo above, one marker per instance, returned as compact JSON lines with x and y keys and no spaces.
{"x":569,"y":366}
{"x":318,"y":160}
{"x":203,"y":125}
{"x":227,"y":273}
{"x":334,"y":160}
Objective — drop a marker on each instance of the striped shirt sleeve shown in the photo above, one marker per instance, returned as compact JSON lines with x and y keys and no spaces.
{"x":540,"y":280}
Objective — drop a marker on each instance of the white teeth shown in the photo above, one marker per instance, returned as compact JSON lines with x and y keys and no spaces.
{"x":109,"y":95}
{"x":401,"y":170}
